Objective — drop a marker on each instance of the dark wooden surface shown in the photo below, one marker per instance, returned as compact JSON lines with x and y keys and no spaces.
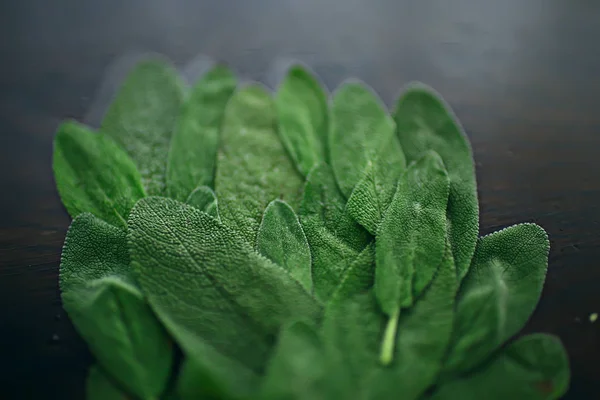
{"x":523,"y":76}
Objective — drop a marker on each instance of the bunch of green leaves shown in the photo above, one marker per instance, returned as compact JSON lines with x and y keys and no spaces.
{"x":228,"y":243}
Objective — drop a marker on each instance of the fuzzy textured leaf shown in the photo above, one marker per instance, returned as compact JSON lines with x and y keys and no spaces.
{"x":193,"y":151}
{"x":301,"y":104}
{"x":535,"y":367}
{"x":142,"y":118}
{"x":499,"y":293}
{"x":109,"y":311}
{"x":362,"y":133}
{"x":208,"y":286}
{"x":99,"y":387}
{"x":335,"y":239}
{"x":204,"y":199}
{"x":253,"y":166}
{"x":424,"y":122}
{"x":411,"y":239}
{"x":93,"y":174}
{"x":281,"y":239}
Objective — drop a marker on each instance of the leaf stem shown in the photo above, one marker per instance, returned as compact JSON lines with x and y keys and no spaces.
{"x":389,"y":339}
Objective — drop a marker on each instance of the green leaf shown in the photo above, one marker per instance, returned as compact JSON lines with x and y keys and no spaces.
{"x":362,"y":132}
{"x":422,"y":339}
{"x":335,"y":239}
{"x":253,"y":166}
{"x":142,"y":119}
{"x":358,"y":278}
{"x":535,"y":367}
{"x":411,"y":239}
{"x":99,"y":387}
{"x":499,"y":294}
{"x":424,"y":122}
{"x":208,"y":286}
{"x":282,"y":240}
{"x":94,"y":175}
{"x":363,"y":204}
{"x":208,"y":374}
{"x":302,"y":111}
{"x":109,"y":311}
{"x":204,"y":199}
{"x":298,"y":367}
{"x":193,"y":151}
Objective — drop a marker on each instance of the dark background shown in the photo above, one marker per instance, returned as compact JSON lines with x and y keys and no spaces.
{"x":523,"y":77}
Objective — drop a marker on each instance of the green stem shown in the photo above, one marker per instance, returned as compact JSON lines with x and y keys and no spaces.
{"x":389,"y":339}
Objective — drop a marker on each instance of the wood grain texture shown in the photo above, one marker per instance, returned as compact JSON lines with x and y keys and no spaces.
{"x":523,"y":77}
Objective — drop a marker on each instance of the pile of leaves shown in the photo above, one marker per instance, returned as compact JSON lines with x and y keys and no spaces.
{"x":230,"y":243}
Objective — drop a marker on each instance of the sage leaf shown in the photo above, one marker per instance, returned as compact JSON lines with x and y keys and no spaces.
{"x":301,"y":104}
{"x":109,"y":311}
{"x":534,"y":367}
{"x":335,"y":239}
{"x":142,"y":118}
{"x":193,"y":151}
{"x":499,"y":293}
{"x":208,"y":286}
{"x":253,"y":166}
{"x":424,"y":122}
{"x":298,"y":369}
{"x":422,"y":339}
{"x":208,"y":374}
{"x":362,"y":132}
{"x":204,"y":199}
{"x":94,"y":175}
{"x":411,"y":240}
{"x":358,"y":278}
{"x":281,"y":239}
{"x":99,"y":387}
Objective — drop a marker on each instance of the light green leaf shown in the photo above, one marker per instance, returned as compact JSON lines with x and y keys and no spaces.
{"x":253,"y":166}
{"x":424,"y":122}
{"x":99,"y":387}
{"x":193,"y":151}
{"x":411,"y":238}
{"x":535,"y":367}
{"x":499,"y":294}
{"x":422,"y":339}
{"x":298,"y":369}
{"x":109,"y":311}
{"x":208,"y":286}
{"x":204,"y":199}
{"x":361,"y":133}
{"x":358,"y":278}
{"x":302,"y":111}
{"x":363,"y":204}
{"x":335,"y":239}
{"x":94,"y":175}
{"x":282,"y":240}
{"x":142,"y":118}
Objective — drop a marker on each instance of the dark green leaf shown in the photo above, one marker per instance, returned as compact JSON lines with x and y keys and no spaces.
{"x":535,"y":367}
{"x":253,"y":166}
{"x":335,"y":239}
{"x":302,"y":113}
{"x":94,"y":175}
{"x":208,"y":286}
{"x":282,"y":240}
{"x":424,"y":122}
{"x":499,"y":293}
{"x":142,"y":119}
{"x":99,"y":387}
{"x":204,"y":199}
{"x":109,"y":311}
{"x":193,"y":151}
{"x":362,"y":132}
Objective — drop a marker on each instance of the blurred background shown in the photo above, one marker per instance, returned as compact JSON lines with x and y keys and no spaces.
{"x":523,"y":77}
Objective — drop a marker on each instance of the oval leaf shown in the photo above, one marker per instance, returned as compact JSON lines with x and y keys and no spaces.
{"x":204,"y":199}
{"x":424,"y":122}
{"x":282,"y":240}
{"x":94,"y":175}
{"x":193,"y":150}
{"x":142,"y":118}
